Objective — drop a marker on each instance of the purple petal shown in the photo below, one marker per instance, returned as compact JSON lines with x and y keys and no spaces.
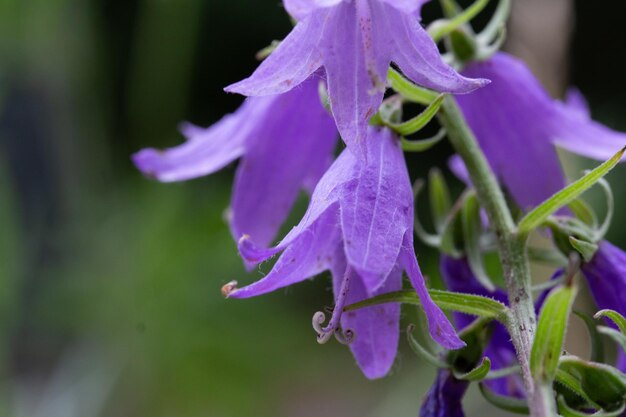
{"x":458,"y":168}
{"x":413,"y":50}
{"x":445,"y":396}
{"x":291,"y":149}
{"x":511,"y":119}
{"x":376,"y":328}
{"x":308,"y":255}
{"x":376,"y":209}
{"x":407,"y":6}
{"x":355,"y":87}
{"x":575,"y":101}
{"x":606,"y":277}
{"x":206,"y":150}
{"x":439,"y":326}
{"x":325,"y":197}
{"x":294,"y":60}
{"x":300,"y":9}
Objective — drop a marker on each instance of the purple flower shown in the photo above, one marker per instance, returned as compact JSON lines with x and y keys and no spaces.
{"x":359,"y":225}
{"x":285,"y":143}
{"x":354,"y":41}
{"x":518,"y":126}
{"x":458,"y":277}
{"x":606,"y":278}
{"x":445,"y":396}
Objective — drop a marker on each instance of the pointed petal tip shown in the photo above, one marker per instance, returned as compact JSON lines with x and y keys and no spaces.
{"x":251,"y":253}
{"x":147,"y":161}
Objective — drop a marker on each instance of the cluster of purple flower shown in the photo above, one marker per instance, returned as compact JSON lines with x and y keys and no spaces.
{"x":359,"y":223}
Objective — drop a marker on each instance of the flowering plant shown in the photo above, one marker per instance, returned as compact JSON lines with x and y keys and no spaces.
{"x":348,"y":69}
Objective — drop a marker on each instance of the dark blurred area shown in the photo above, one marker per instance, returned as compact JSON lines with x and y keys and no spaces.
{"x":109,"y":282}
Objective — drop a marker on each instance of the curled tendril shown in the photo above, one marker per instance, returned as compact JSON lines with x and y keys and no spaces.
{"x":324,"y":333}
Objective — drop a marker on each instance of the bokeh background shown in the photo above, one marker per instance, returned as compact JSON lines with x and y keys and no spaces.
{"x":109,"y":282}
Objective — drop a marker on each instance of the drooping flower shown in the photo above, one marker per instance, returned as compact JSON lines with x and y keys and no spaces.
{"x":354,"y":41}
{"x":359,"y":225}
{"x":458,"y":277}
{"x":518,"y":126}
{"x":445,"y":396}
{"x":285,"y":143}
{"x":606,"y":278}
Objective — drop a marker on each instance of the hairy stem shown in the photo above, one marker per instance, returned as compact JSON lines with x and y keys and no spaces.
{"x":511,"y":248}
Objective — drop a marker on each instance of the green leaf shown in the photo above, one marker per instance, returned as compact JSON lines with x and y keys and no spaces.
{"x":610,"y":208}
{"x":267,"y":51}
{"x":408,"y":90}
{"x":421,"y":351}
{"x":502,"y":372}
{"x":587,"y":250}
{"x":472,"y":228}
{"x":550,"y":333}
{"x":439,"y":30}
{"x":475,"y":305}
{"x":548,"y":256}
{"x":451,"y":234}
{"x":614,"y":316}
{"x":570,"y":386}
{"x":422,"y":145}
{"x":597,"y":346}
{"x":477,"y":374}
{"x":510,"y":404}
{"x":418,"y":122}
{"x":602,"y":384}
{"x":439,"y":198}
{"x":617,"y":337}
{"x":541,"y":213}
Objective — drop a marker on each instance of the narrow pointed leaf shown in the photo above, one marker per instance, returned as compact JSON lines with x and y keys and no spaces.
{"x":597,"y":347}
{"x":502,"y":372}
{"x":614,"y":316}
{"x":541,"y":213}
{"x":550,"y":333}
{"x":583,"y":212}
{"x":422,"y":144}
{"x":439,"y":194}
{"x":409,"y":90}
{"x":510,"y":404}
{"x":610,"y":208}
{"x":421,"y":351}
{"x":477,"y":374}
{"x":418,"y":122}
{"x":472,"y":227}
{"x":565,"y":383}
{"x":464,"y":303}
{"x":428,"y":238}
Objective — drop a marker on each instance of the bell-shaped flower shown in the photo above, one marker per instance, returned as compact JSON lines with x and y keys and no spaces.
{"x":444,"y":398}
{"x":354,"y":41}
{"x":285,"y":143}
{"x":518,"y":126}
{"x":359,"y":225}
{"x":606,"y":278}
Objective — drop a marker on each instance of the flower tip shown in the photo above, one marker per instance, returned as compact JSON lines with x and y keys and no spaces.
{"x":229,"y":289}
{"x":146,"y":161}
{"x":252,"y":254}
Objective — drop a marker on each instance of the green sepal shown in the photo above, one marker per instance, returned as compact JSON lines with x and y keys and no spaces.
{"x":472,"y":228}
{"x":550,"y":333}
{"x":441,"y":29}
{"x":479,"y":373}
{"x":497,"y":23}
{"x":587,"y":250}
{"x":475,"y":305}
{"x":604,"y":385}
{"x":597,"y":345}
{"x":389,"y":112}
{"x":430,"y":239}
{"x":408,"y":90}
{"x":422,"y":145}
{"x":463,"y":45}
{"x":423,"y":352}
{"x":583,"y":212}
{"x":603,"y":228}
{"x":618,"y":337}
{"x":439,"y":198}
{"x":540,"y":214}
{"x":570,"y":387}
{"x":451,"y":235}
{"x":267,"y":51}
{"x":510,"y":404}
{"x":614,"y":316}
{"x":418,"y":122}
{"x":566,"y":411}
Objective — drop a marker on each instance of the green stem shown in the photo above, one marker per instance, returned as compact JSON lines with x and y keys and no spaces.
{"x":511,"y":248}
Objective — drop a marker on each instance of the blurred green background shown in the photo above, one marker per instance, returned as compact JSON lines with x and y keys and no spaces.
{"x":109,"y":282}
